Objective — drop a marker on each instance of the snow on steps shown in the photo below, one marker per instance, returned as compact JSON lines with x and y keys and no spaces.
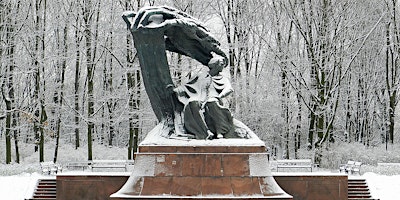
{"x":358,"y":189}
{"x":46,"y":189}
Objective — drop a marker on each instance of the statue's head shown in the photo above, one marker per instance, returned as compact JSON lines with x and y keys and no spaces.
{"x":216,"y":65}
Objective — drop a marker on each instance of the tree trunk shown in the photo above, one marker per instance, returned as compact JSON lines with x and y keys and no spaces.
{"x":298,"y":126}
{"x":7,"y":86}
{"x":76,"y":83}
{"x":90,"y":45}
{"x":134,"y":87}
{"x":8,"y":131}
{"x":61,"y":89}
{"x":134,"y":104}
{"x":16,"y":136}
{"x":87,"y":16}
{"x":9,"y":109}
{"x":109,"y":87}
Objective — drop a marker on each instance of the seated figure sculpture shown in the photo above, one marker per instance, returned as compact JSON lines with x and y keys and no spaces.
{"x":157,"y":29}
{"x":204,"y":113}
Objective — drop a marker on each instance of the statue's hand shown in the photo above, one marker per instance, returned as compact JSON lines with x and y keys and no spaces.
{"x":180,"y":90}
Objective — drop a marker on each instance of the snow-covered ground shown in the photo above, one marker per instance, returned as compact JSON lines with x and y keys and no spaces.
{"x":382,"y":186}
{"x":19,"y":187}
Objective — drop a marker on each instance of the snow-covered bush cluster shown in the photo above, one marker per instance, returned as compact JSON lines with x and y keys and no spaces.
{"x":369,"y":156}
{"x":67,"y":153}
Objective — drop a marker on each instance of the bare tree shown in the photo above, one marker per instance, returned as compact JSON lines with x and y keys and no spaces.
{"x":392,"y":76}
{"x":61,"y":65}
{"x":7,"y":54}
{"x":90,"y":13}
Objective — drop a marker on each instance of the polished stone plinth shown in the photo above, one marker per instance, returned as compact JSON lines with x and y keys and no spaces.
{"x":201,"y":175}
{"x":200,"y":169}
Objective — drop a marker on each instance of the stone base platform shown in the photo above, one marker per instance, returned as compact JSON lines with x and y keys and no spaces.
{"x":175,"y":168}
{"x":302,"y":186}
{"x":223,"y":169}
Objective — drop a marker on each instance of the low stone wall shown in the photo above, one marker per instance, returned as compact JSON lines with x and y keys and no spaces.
{"x":312,"y":186}
{"x":307,"y":186}
{"x":87,"y":186}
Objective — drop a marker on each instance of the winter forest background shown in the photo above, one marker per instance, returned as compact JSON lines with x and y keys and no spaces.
{"x":311,"y":78}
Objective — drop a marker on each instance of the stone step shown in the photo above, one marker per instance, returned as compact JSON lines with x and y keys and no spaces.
{"x":362,"y":196}
{"x":48,"y":181}
{"x":358,"y":190}
{"x":45,"y":186}
{"x":46,"y":189}
{"x":357,"y":181}
{"x":358,"y":193}
{"x":44,"y":196}
{"x":46,"y":192}
{"x":357,"y":186}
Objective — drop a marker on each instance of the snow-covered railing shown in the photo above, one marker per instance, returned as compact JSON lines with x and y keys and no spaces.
{"x":297,"y":163}
{"x":123,"y":164}
{"x":79,"y":165}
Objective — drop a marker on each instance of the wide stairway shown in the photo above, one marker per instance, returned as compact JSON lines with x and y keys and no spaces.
{"x":358,"y":189}
{"x":46,"y":189}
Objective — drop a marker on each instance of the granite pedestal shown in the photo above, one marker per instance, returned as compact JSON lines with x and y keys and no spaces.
{"x":201,"y":169}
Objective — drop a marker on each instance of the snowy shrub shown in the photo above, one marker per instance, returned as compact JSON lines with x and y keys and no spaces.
{"x":343,"y":152}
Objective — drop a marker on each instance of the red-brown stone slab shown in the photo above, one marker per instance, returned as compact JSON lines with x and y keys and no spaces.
{"x":168,"y":165}
{"x":212,"y":149}
{"x":157,"y":149}
{"x":327,"y":192}
{"x":213,"y":165}
{"x":186,"y":186}
{"x":193,"y":165}
{"x":216,"y":185}
{"x":88,"y":187}
{"x":247,"y":149}
{"x":235,"y":165}
{"x":157,"y":186}
{"x":308,"y":187}
{"x":296,"y":185}
{"x":186,"y":149}
{"x":245,"y":186}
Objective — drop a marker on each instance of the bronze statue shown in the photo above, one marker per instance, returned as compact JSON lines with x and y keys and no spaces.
{"x":157,"y":29}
